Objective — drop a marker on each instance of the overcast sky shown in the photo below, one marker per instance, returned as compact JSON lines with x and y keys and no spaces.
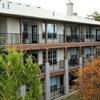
{"x":82,"y":7}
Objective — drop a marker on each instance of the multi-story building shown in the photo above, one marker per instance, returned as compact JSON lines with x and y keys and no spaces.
{"x":59,"y":43}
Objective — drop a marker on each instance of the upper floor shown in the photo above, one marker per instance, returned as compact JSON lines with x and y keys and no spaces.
{"x":31,"y":31}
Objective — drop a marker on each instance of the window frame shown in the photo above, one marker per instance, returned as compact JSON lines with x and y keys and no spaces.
{"x":53,"y":59}
{"x":51,"y":35}
{"x":53,"y":84}
{"x":74,"y":31}
{"x":97,"y":36}
{"x":88,"y":32}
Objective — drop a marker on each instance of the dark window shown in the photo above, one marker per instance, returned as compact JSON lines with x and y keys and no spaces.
{"x":98,"y":35}
{"x":3,"y":6}
{"x":73,"y":32}
{"x":25,"y":30}
{"x":51,"y":30}
{"x":8,"y":6}
{"x":88,"y":32}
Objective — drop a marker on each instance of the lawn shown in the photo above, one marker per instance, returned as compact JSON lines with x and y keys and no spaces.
{"x":72,"y":97}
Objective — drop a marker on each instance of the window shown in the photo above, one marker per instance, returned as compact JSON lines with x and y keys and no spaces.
{"x":3,"y":6}
{"x":8,"y":6}
{"x":98,"y":35}
{"x":73,"y":32}
{"x":51,"y":29}
{"x":53,"y":84}
{"x":25,"y":30}
{"x":52,"y":57}
{"x":87,"y":52}
{"x":88,"y":32}
{"x":74,"y":53}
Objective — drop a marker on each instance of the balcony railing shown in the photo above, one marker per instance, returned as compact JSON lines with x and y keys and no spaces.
{"x":73,"y":62}
{"x":29,"y":38}
{"x":57,"y":93}
{"x":58,"y":66}
{"x":43,"y":96}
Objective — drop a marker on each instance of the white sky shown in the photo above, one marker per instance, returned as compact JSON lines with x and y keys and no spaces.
{"x":82,"y":7}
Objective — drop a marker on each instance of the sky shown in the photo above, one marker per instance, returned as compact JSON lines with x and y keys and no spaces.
{"x":82,"y":7}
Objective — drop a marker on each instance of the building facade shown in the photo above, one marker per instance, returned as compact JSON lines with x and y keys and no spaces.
{"x":59,"y":43}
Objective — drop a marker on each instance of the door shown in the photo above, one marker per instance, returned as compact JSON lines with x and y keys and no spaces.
{"x":34,"y":34}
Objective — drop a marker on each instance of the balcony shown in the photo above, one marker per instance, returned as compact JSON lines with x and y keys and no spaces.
{"x":57,"y":66}
{"x":73,"y":62}
{"x":14,"y":38}
{"x":57,"y":93}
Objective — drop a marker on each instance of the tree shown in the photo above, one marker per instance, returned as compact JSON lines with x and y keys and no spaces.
{"x":1,"y":47}
{"x":94,"y":16}
{"x":14,"y":74}
{"x":88,"y":81}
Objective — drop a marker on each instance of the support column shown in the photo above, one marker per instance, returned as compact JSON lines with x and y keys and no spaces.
{"x":20,"y":31}
{"x":47,"y":79}
{"x":79,"y":33}
{"x":80,"y":57}
{"x":46,"y":33}
{"x":92,"y":58}
{"x":23,"y":91}
{"x":66,"y":76}
{"x":65,"y":33}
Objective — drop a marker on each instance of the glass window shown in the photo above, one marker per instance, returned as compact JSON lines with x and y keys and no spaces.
{"x":88,"y":32}
{"x":25,"y":30}
{"x":8,"y":6}
{"x":51,"y":29}
{"x":74,"y":32}
{"x":98,"y":35}
{"x":88,"y":52}
{"x":3,"y":6}
{"x":53,"y":83}
{"x":52,"y":57}
{"x":74,"y":53}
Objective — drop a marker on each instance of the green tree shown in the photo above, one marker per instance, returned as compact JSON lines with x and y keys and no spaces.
{"x":1,"y":47}
{"x":94,"y":16}
{"x":15,"y":74}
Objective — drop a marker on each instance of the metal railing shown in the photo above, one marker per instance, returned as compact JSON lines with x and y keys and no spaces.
{"x":57,"y":66}
{"x":57,"y":93}
{"x":73,"y":62}
{"x":29,"y":38}
{"x":42,"y":96}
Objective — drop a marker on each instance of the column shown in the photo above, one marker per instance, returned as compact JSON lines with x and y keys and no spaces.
{"x":92,"y":58}
{"x":65,"y":33}
{"x":46,"y":33}
{"x":80,"y":57}
{"x":66,"y":76}
{"x":79,"y":33}
{"x":23,"y":90}
{"x":20,"y":31}
{"x":47,"y":79}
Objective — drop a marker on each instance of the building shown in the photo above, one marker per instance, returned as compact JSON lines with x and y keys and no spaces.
{"x":60,"y":43}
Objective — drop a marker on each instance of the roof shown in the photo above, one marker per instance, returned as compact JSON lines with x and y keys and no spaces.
{"x":38,"y":12}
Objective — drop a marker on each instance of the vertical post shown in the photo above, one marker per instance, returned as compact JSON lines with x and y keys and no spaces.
{"x":66,"y":76}
{"x":46,"y":33}
{"x":79,"y":33}
{"x":92,"y":54}
{"x":64,"y":33}
{"x":80,"y":57}
{"x":91,"y":33}
{"x":20,"y":31}
{"x":47,"y":79}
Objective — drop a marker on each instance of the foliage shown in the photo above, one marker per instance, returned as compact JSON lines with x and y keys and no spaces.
{"x":14,"y":74}
{"x":88,"y":82}
{"x":1,"y":47}
{"x":94,"y":16}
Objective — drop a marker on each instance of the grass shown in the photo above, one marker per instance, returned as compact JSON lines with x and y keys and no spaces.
{"x":72,"y":97}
